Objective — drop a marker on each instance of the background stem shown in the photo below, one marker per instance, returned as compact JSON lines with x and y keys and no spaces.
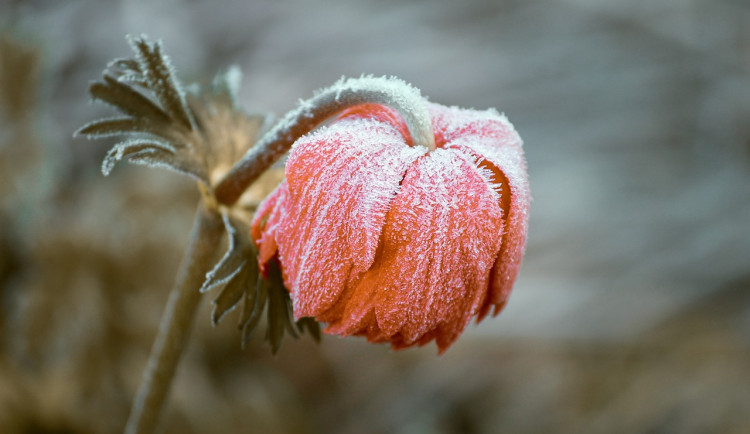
{"x":176,"y":323}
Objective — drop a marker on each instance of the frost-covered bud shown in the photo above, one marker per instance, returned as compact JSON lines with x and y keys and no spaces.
{"x":382,"y":238}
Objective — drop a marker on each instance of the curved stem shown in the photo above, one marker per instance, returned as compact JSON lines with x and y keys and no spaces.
{"x":176,"y":323}
{"x":392,"y":92}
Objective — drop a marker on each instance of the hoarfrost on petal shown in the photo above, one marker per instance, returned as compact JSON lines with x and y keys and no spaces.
{"x":491,"y":138}
{"x":441,"y":237}
{"x":266,"y":222}
{"x":341,"y":179}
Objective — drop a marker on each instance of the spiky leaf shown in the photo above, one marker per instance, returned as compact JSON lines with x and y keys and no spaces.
{"x":234,"y":260}
{"x":127,"y":100}
{"x":160,"y":77}
{"x":238,"y":274}
{"x":133,"y":147}
{"x":118,"y":126}
{"x":205,"y":128}
{"x":230,"y":296}
{"x":253,"y":310}
{"x":311,"y":326}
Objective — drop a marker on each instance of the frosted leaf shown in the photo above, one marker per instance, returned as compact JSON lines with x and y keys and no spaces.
{"x":125,"y":65}
{"x":310,"y":326}
{"x":159,"y":73}
{"x":236,"y":257}
{"x":133,"y":79}
{"x":110,"y":127}
{"x":238,"y":275}
{"x":279,"y":314}
{"x":134,"y":147}
{"x":230,"y":296}
{"x":207,"y":133}
{"x":127,"y":100}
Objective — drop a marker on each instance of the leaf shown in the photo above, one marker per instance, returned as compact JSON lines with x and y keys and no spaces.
{"x":249,"y":307}
{"x":109,"y":127}
{"x":233,"y":260}
{"x":238,"y":271}
{"x":155,"y":159}
{"x":230,"y":296}
{"x":312,"y":327}
{"x":252,"y":312}
{"x":127,"y":100}
{"x":133,"y":147}
{"x":279,"y":312}
{"x":159,"y":73}
{"x":226,"y":86}
{"x":125,"y":64}
{"x":206,"y":131}
{"x":133,"y":79}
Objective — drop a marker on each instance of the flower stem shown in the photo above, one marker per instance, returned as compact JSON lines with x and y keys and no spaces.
{"x":346,"y":93}
{"x":176,"y":323}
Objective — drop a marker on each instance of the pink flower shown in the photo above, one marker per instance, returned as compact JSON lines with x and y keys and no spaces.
{"x":383,"y":239}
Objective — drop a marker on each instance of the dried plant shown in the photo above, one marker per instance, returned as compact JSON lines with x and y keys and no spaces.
{"x":199,"y":131}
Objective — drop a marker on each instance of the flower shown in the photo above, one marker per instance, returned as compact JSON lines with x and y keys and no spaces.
{"x":384,"y":239}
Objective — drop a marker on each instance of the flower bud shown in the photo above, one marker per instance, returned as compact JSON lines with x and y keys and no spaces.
{"x":382,"y":238}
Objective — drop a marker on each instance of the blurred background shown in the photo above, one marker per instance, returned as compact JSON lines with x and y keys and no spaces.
{"x":632,"y":310}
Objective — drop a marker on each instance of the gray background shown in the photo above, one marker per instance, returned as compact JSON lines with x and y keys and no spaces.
{"x":631,"y":313}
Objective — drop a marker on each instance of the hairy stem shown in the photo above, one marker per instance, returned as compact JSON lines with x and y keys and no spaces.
{"x":346,"y":93}
{"x":176,"y":323}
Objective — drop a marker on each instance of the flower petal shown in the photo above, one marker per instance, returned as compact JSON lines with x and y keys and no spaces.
{"x":432,"y":270}
{"x":266,"y":222}
{"x":490,"y":137}
{"x":342,"y":180}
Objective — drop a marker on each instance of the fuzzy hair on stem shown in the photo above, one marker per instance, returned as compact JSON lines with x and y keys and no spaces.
{"x":345,"y":93}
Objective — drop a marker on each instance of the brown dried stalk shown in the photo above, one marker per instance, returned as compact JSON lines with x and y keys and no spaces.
{"x":176,"y":322}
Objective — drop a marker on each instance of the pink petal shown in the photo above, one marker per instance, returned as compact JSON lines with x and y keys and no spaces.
{"x":432,"y":270}
{"x":342,"y":180}
{"x":489,"y":136}
{"x":266,"y":222}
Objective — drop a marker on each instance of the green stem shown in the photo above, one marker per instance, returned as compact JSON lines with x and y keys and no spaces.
{"x":176,"y":323}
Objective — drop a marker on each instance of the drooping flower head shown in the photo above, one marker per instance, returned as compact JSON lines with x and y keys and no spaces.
{"x":389,"y":240}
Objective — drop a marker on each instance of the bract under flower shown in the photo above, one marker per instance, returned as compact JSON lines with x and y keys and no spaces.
{"x":384,"y":239}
